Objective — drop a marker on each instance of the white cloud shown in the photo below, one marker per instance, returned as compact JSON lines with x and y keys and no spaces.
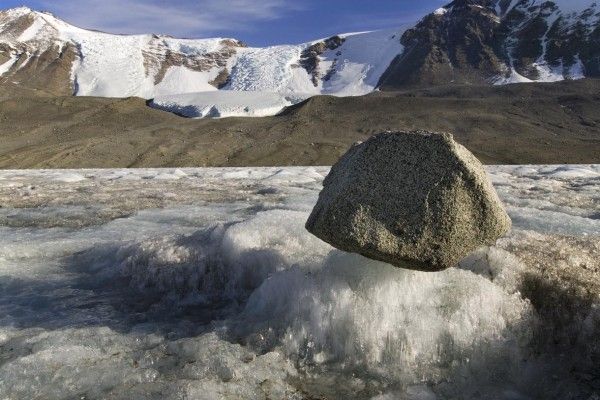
{"x":178,"y":18}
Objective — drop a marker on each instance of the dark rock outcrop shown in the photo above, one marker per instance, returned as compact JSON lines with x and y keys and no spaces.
{"x":309,"y":59}
{"x":457,"y":46}
{"x":160,"y":60}
{"x":483,"y":41}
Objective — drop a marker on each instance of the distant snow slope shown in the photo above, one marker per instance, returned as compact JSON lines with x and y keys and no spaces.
{"x":121,"y":65}
{"x":149,"y":65}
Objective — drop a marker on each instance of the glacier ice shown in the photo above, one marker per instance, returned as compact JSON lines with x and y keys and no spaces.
{"x":203,"y":283}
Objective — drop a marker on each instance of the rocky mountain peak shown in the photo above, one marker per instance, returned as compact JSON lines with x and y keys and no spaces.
{"x":454,"y":44}
{"x":500,"y":41}
{"x":458,"y":4}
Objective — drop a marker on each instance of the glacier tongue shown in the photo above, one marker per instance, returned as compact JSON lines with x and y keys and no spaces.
{"x":226,"y":103}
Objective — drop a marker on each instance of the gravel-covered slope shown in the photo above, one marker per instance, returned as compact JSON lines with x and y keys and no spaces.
{"x":514,"y":124}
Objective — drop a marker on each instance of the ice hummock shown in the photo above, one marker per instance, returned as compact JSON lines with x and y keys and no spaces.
{"x":203,"y":283}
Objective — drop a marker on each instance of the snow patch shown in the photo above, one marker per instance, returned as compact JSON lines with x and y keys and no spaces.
{"x":33,"y":31}
{"x":4,"y":68}
{"x":576,"y":71}
{"x":513,"y":77}
{"x":182,"y":80}
{"x":170,"y":175}
{"x":67,"y":177}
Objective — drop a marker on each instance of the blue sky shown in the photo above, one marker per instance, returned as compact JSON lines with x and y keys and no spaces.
{"x":257,"y":22}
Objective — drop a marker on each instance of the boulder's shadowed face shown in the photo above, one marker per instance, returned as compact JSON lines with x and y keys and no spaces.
{"x":417,"y":200}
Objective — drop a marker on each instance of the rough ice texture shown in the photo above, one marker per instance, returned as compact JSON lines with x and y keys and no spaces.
{"x":417,"y":200}
{"x":204,"y":284}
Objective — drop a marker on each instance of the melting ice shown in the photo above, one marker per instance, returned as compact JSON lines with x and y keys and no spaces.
{"x":204,"y":284}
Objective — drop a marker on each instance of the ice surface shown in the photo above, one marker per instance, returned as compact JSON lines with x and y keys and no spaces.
{"x":203,"y":283}
{"x":226,"y":103}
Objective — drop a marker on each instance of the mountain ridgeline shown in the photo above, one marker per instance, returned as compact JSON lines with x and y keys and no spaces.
{"x":506,"y":41}
{"x":465,"y":42}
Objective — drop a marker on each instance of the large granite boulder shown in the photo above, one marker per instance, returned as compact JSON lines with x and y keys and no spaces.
{"x":416,"y":200}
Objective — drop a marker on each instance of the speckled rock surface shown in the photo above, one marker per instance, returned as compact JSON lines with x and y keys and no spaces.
{"x":416,"y":200}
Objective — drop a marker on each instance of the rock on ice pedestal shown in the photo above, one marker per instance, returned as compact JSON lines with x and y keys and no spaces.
{"x":417,"y":200}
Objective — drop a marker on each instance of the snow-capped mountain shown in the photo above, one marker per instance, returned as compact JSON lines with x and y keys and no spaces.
{"x":71,"y":60}
{"x":499,"y":42}
{"x":466,"y":41}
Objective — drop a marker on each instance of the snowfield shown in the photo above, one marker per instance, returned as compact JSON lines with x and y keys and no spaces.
{"x":264,"y":81}
{"x":357,"y":63}
{"x":204,"y":284}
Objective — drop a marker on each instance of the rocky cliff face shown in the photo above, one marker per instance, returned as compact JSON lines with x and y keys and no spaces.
{"x":453,"y":44}
{"x":499,"y":41}
{"x":29,"y":60}
{"x":552,"y":39}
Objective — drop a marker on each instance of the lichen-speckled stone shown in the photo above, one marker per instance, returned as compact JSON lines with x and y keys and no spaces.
{"x":416,"y":200}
